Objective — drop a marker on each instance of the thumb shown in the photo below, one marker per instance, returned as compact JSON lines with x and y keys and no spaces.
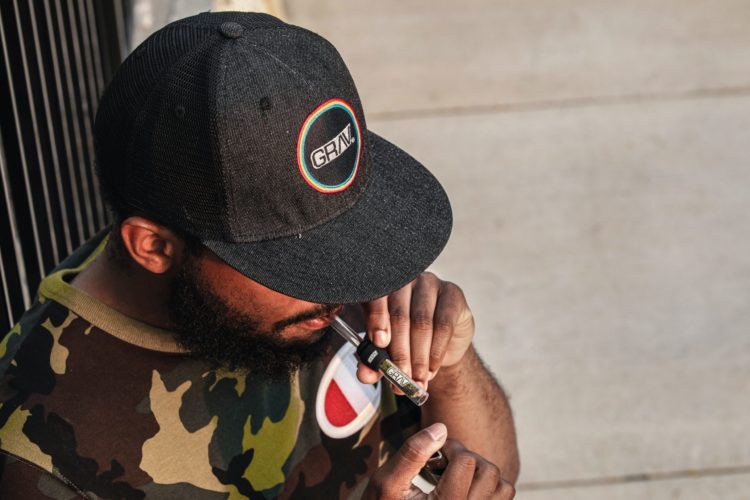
{"x":378,"y":321}
{"x":413,"y":455}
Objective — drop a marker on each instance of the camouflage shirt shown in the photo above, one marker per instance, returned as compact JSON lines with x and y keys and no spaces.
{"x":95,"y":404}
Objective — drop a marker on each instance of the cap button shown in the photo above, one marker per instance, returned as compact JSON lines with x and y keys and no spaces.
{"x":231,"y":30}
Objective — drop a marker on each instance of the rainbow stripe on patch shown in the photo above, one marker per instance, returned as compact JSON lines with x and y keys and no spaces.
{"x":301,"y":160}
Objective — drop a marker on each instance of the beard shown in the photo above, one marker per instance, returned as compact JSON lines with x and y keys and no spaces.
{"x":211,"y":330}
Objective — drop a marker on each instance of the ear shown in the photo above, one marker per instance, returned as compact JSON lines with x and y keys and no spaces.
{"x":153,"y":246}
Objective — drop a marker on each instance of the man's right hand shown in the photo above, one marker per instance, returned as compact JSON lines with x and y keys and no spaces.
{"x":468,"y":475}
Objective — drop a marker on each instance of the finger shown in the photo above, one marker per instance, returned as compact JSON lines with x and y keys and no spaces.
{"x":458,"y":475}
{"x":399,"y":471}
{"x":507,"y":490}
{"x":399,"y":303}
{"x":452,"y":447}
{"x":423,"y":301}
{"x":396,"y":390}
{"x":378,"y":321}
{"x":450,"y":303}
{"x":487,"y":481}
{"x":367,"y":375}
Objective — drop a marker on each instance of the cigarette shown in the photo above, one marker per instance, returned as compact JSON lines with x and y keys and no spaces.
{"x":377,"y":359}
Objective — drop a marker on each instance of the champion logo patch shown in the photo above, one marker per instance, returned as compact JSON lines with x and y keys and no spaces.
{"x":329,"y":147}
{"x":343,"y":404}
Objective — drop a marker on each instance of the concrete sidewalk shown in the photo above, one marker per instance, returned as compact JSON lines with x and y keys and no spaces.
{"x":596,"y":154}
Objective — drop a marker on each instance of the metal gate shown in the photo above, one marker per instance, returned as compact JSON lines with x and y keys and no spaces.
{"x":56,"y":58}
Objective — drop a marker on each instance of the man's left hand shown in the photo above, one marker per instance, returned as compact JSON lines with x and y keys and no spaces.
{"x":425,"y":326}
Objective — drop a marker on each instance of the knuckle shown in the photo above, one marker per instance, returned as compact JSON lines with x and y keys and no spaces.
{"x":493,"y":471}
{"x":465,"y":461}
{"x":422,"y":320}
{"x":428,"y":278}
{"x":453,"y":444}
{"x":444,"y":322}
{"x":400,"y":358}
{"x":403,"y":289}
{"x":428,"y":275}
{"x":449,"y":286}
{"x":435,"y":357}
{"x":490,"y":473}
{"x":419,"y":370}
{"x":376,"y":305}
{"x":399,"y":317}
{"x":380,"y":313}
{"x":453,"y":290}
{"x":419,"y":361}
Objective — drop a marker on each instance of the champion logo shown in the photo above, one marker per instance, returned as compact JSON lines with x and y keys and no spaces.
{"x":329,"y":147}
{"x":343,"y":404}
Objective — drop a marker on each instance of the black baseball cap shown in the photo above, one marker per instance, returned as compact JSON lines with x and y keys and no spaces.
{"x":248,"y":133}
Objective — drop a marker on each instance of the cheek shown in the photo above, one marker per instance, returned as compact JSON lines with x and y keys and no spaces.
{"x":247,"y":296}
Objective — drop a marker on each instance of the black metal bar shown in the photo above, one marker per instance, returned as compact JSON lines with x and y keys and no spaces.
{"x":11,"y":253}
{"x":74,"y":118}
{"x":32,"y":141}
{"x":61,"y":224}
{"x":120,"y":23}
{"x":111,"y":51}
{"x":83,"y":92}
{"x":6,"y":312}
{"x":95,"y":49}
{"x":15,"y":152}
{"x":74,"y":184}
{"x":96,"y":86}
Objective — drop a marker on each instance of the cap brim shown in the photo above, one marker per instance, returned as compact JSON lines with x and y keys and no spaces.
{"x":394,"y":232}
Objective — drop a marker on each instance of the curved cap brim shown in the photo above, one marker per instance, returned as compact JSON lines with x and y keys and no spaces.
{"x":394,"y":232}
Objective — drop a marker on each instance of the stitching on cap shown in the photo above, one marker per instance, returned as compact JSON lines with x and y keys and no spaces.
{"x":307,"y":83}
{"x":229,"y":204}
{"x":159,"y":79}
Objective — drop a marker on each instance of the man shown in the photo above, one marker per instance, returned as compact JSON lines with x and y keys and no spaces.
{"x":185,"y":351}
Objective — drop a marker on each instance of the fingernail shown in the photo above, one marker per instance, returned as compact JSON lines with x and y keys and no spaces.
{"x":437,"y":431}
{"x":431,"y":375}
{"x":381,"y":338}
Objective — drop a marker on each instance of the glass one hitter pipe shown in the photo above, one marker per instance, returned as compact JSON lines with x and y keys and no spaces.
{"x":377,"y":359}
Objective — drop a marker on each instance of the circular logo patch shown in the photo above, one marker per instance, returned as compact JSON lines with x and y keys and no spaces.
{"x":329,"y":147}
